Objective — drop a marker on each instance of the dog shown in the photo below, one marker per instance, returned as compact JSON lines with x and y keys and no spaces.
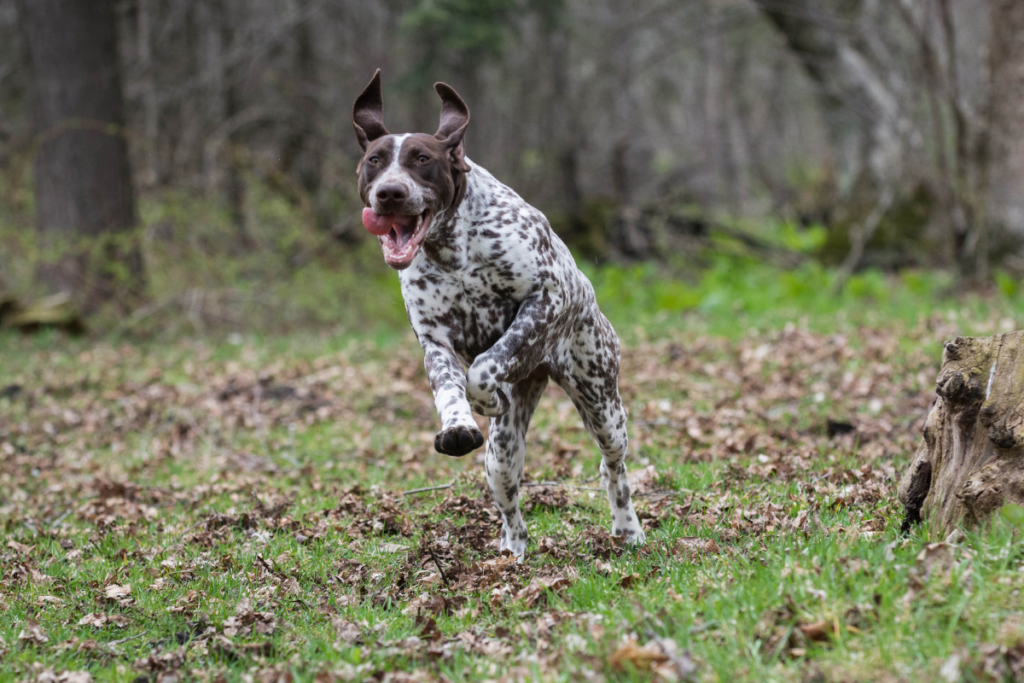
{"x":496,"y":302}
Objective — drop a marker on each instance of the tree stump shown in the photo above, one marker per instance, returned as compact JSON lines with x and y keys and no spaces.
{"x":971,"y":459}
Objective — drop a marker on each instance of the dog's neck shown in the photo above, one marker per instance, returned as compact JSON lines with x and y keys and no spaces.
{"x":447,"y":244}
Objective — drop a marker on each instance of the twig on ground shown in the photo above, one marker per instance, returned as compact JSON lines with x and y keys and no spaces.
{"x":559,"y":483}
{"x":425,"y":489}
{"x":61,"y":518}
{"x":438,"y":565}
{"x":125,"y":640}
{"x":191,"y":528}
{"x":652,"y":494}
{"x":662,"y":494}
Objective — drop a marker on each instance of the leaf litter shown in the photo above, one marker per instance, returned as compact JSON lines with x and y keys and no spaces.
{"x":823,"y":417}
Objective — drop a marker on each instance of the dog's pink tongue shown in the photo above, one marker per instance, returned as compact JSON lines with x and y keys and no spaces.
{"x":378,"y":224}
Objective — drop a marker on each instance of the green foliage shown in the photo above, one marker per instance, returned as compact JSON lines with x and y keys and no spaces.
{"x":1008,"y":285}
{"x":732,"y":291}
{"x":473,"y":28}
{"x":1013,"y":514}
{"x":461,"y":35}
{"x":794,"y":237}
{"x":206,"y":276}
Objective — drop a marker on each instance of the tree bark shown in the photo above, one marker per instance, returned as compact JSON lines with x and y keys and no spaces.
{"x":85,"y":204}
{"x":854,"y":86}
{"x":971,"y":459}
{"x":823,"y":39}
{"x":1006,"y":116}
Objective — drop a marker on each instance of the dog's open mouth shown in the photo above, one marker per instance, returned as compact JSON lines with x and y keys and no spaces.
{"x":399,"y":234}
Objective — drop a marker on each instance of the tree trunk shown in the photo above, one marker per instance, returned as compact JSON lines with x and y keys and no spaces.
{"x":85,"y":204}
{"x":823,"y":38}
{"x":1006,"y":117}
{"x":971,"y":460}
{"x":301,"y":155}
{"x":828,"y":41}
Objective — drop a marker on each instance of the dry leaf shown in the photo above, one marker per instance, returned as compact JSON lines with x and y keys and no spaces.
{"x":348,"y":631}
{"x":20,"y":548}
{"x":99,"y":620}
{"x":642,"y":658}
{"x":116,"y":592}
{"x":629,"y":580}
{"x":32,"y":633}
{"x":186,"y":603}
{"x":536,"y":591}
{"x":660,"y":656}
{"x":818,"y":632}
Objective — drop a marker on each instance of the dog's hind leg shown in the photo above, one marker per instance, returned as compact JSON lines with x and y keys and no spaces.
{"x":593,"y":385}
{"x":607,"y":425}
{"x":506,"y":453}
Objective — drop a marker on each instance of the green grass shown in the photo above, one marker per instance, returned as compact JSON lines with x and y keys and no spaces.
{"x":270,"y":468}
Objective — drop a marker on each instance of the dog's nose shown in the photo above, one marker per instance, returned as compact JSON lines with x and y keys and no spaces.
{"x":392,"y":192}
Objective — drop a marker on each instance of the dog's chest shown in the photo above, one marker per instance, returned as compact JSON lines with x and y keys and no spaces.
{"x":469,"y":309}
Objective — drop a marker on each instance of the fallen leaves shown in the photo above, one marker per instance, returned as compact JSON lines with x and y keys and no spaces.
{"x":247,"y":621}
{"x":694,"y":548}
{"x":99,"y":620}
{"x":186,"y":604}
{"x":80,"y":453}
{"x":537,"y":591}
{"x":660,"y":656}
{"x":550,"y":498}
{"x":33,"y":633}
{"x":348,"y":631}
{"x":819,"y":631}
{"x":118,"y":594}
{"x":51,"y":676}
{"x":435,"y":604}
{"x":20,"y":548}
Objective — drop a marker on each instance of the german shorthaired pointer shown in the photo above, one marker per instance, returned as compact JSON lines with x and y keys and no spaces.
{"x":489,"y":286}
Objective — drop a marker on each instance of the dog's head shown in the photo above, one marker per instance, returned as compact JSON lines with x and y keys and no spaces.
{"x":406,"y":181}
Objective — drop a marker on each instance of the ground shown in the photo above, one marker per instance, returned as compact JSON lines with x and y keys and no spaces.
{"x":272,"y":509}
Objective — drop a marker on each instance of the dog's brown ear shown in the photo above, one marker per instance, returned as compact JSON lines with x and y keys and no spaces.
{"x":454,"y":119}
{"x":368,"y":113}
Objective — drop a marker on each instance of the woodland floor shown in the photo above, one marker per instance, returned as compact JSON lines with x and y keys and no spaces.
{"x":203,"y":511}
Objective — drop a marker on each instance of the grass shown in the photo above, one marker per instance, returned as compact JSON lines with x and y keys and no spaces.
{"x":249,"y":490}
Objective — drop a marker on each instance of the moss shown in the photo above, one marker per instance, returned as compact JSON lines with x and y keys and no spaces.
{"x":901,"y":240}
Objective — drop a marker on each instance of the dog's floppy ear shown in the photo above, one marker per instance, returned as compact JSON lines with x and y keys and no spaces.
{"x":454,"y":119}
{"x":368,"y":113}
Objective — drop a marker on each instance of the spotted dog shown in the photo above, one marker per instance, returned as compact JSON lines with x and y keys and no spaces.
{"x":490,"y":287}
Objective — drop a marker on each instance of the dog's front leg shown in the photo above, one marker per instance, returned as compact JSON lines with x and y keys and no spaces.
{"x":515,"y":356}
{"x":459,"y":434}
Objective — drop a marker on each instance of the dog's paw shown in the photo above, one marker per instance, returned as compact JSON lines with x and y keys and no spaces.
{"x":633,"y":534}
{"x":497,"y":406}
{"x":458,"y":441}
{"x":514,"y":544}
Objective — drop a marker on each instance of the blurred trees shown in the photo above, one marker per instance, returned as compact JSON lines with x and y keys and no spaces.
{"x":85,"y":205}
{"x":1003,"y":146}
{"x":895,"y":124}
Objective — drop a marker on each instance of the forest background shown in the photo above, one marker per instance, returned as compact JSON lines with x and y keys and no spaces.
{"x":802,"y":141}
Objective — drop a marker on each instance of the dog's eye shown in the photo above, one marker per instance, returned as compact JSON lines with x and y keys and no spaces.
{"x":424,"y":159}
{"x":374,"y":160}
